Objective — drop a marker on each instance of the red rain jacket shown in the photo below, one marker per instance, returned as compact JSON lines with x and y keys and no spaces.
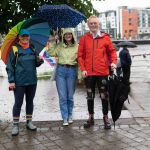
{"x":94,"y":55}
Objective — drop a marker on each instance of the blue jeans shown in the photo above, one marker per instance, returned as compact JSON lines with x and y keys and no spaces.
{"x":65,"y":83}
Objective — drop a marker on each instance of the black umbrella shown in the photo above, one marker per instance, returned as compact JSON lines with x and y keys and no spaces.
{"x":126,"y":44}
{"x":118,"y":94}
{"x":116,"y":47}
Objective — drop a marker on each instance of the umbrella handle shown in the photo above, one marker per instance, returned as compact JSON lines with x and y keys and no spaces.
{"x":115,"y":71}
{"x":113,"y":74}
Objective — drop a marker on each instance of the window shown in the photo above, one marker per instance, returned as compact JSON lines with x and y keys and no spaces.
{"x":130,"y":31}
{"x":130,"y":21}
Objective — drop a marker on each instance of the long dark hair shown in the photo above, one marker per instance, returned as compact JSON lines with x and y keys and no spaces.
{"x":72,"y":41}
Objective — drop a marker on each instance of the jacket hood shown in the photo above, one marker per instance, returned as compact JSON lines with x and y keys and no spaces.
{"x":68,"y":30}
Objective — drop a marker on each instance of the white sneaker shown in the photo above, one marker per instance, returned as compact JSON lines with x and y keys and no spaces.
{"x":70,"y":120}
{"x":30,"y":126}
{"x":65,"y":123}
{"x":15,"y":130}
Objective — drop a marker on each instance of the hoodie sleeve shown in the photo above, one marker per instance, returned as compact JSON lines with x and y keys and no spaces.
{"x":10,"y":67}
{"x":112,"y":51}
{"x":81,"y":53}
{"x":52,"y":49}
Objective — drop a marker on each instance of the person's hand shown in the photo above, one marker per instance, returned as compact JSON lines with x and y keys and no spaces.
{"x":56,"y":37}
{"x":40,"y":57}
{"x":113,"y":66}
{"x":51,"y":39}
{"x":12,"y":86}
{"x":84,"y":74}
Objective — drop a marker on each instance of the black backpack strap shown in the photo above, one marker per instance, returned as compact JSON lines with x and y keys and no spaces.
{"x":33,"y":48}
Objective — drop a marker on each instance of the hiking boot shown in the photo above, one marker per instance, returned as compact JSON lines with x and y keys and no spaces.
{"x":70,"y":120}
{"x":107,"y":124}
{"x":65,"y":123}
{"x":89,"y":123}
{"x":30,"y":126}
{"x":15,"y":130}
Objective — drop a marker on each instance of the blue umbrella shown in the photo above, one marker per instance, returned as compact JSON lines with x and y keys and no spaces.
{"x":39,"y":32}
{"x":60,"y":16}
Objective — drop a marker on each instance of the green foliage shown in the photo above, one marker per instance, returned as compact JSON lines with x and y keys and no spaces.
{"x":14,"y":11}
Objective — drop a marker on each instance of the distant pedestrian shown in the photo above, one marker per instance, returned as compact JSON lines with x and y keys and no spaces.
{"x":22,"y":77}
{"x":125,"y":60}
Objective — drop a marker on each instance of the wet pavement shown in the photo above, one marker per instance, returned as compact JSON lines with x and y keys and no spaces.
{"x":132,"y":130}
{"x":46,"y":103}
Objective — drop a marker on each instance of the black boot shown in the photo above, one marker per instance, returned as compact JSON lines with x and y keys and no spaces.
{"x":107,"y":124}
{"x":89,"y":122}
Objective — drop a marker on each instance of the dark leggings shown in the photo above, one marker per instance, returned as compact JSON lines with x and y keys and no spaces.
{"x":101,"y":82}
{"x":20,"y":91}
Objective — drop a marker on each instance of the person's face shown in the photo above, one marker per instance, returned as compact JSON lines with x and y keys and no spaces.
{"x":94,"y":25}
{"x":68,"y":37}
{"x":24,"y":39}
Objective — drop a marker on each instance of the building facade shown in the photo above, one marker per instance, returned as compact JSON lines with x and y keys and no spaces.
{"x":127,"y":22}
{"x":144,"y":24}
{"x":109,"y":23}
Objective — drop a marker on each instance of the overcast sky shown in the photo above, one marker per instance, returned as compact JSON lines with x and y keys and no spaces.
{"x":104,"y":5}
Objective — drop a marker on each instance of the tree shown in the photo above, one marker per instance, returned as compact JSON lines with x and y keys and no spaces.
{"x":14,"y":11}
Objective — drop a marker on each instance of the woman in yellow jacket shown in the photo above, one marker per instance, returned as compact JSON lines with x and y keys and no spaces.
{"x":66,"y":72}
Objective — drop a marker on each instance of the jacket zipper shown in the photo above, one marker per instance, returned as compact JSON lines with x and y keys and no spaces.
{"x":93,"y":57}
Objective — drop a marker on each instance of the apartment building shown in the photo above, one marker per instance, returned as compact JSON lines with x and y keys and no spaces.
{"x":109,"y":23}
{"x":127,"y":22}
{"x":144,"y":23}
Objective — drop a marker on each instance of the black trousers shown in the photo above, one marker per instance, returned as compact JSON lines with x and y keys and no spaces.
{"x":19,"y":92}
{"x":101,"y":82}
{"x":126,"y":74}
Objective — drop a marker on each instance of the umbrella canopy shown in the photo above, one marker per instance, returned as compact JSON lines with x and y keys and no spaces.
{"x":9,"y":40}
{"x":116,"y":47}
{"x":60,"y":16}
{"x":39,"y":32}
{"x":126,"y":44}
{"x":118,"y":94}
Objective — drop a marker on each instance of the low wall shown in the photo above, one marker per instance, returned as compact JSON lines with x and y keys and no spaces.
{"x":43,"y":69}
{"x":138,"y":42}
{"x":2,"y":69}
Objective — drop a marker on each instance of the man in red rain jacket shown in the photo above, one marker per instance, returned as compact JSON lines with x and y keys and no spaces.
{"x":94,"y":54}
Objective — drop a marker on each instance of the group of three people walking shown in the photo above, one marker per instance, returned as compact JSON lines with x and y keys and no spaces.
{"x":92,"y":54}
